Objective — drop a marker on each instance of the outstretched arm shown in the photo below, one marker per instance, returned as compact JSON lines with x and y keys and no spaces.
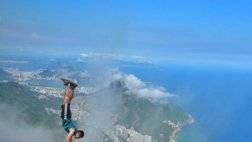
{"x":70,"y":135}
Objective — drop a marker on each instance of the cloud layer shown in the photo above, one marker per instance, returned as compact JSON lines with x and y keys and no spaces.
{"x":139,"y":88}
{"x":121,"y":57}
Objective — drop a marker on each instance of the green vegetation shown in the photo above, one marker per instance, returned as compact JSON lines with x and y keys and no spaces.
{"x":148,"y":118}
{"x":29,"y":108}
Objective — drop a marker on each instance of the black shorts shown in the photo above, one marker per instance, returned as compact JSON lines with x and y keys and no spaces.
{"x":65,"y":111}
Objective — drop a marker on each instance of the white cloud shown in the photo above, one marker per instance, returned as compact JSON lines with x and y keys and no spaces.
{"x":140,"y":88}
{"x":113,"y":56}
{"x":84,"y":55}
{"x":133,"y":82}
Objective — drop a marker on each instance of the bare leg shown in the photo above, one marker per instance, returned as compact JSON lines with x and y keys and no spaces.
{"x":69,"y":94}
{"x":69,"y":90}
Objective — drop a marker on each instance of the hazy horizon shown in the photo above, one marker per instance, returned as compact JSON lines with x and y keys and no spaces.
{"x":130,"y":54}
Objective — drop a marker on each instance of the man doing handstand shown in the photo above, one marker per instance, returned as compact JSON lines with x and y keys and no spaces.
{"x":66,"y":112}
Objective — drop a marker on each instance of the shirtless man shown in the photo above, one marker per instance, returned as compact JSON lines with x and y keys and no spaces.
{"x":66,"y":112}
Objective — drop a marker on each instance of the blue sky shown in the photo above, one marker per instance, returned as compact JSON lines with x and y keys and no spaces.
{"x":155,"y":29}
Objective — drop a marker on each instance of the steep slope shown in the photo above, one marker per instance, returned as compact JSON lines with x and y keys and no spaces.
{"x":31,"y":109}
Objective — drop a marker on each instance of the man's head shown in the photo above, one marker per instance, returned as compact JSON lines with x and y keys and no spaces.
{"x":79,"y":134}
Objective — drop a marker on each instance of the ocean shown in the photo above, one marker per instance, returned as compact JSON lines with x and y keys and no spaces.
{"x":218,"y":98}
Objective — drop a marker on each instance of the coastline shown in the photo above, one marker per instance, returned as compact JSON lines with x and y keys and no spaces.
{"x":179,"y":127}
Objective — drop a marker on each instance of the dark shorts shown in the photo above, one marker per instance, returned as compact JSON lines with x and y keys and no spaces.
{"x":66,"y":118}
{"x":68,"y":124}
{"x":66,"y":111}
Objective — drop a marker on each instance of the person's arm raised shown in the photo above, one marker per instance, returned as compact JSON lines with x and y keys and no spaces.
{"x":70,"y":135}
